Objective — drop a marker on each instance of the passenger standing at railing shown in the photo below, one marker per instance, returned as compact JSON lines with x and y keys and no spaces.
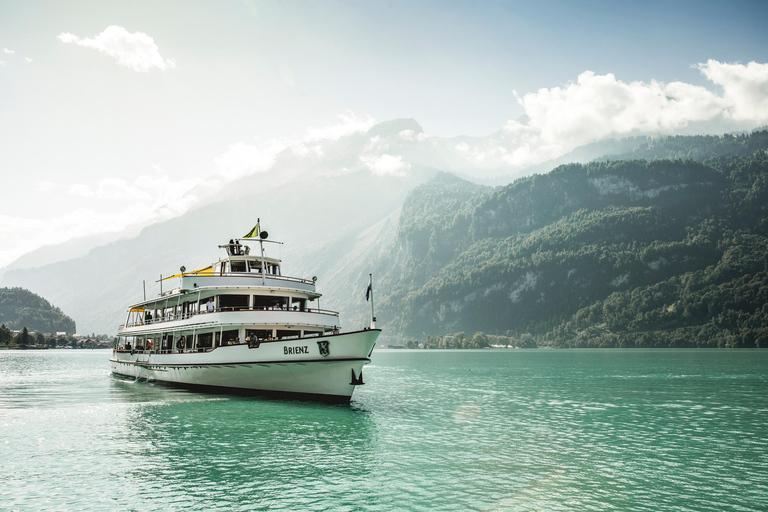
{"x":209,"y":306}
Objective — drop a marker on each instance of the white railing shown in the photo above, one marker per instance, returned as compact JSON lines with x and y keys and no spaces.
{"x":171,"y":318}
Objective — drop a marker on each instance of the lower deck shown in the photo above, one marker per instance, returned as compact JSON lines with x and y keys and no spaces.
{"x":330,"y":365}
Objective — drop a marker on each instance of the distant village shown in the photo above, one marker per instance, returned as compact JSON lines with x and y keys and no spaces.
{"x":25,"y":339}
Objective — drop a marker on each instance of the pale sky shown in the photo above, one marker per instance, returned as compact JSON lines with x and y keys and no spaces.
{"x":111,"y":110}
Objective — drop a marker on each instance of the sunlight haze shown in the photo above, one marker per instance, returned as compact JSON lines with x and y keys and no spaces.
{"x":117,"y":115}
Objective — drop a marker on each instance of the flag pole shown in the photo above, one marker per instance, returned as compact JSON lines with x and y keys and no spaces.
{"x":261,"y":246}
{"x":370,"y":287}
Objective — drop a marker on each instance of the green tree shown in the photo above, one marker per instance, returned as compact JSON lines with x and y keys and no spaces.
{"x":480,"y":340}
{"x":6,"y":335}
{"x":23,"y":337}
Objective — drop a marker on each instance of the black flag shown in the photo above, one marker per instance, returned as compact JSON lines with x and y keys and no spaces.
{"x":368,"y":290}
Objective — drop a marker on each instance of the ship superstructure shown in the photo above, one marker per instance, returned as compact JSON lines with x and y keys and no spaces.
{"x":240,"y":324}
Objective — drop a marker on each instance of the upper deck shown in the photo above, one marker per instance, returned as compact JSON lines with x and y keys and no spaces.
{"x":242,"y":266}
{"x":193,"y":281}
{"x":242,"y":269}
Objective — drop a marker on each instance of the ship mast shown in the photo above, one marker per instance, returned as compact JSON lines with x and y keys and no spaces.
{"x":370,"y":291}
{"x":263,"y":267}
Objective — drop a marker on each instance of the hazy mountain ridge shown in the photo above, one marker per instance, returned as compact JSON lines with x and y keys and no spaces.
{"x":395,"y":148}
{"x":343,"y":210}
{"x":693,"y":147}
{"x":21,"y":308}
{"x":318,"y":217}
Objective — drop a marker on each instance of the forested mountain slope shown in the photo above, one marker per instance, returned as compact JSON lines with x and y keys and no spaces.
{"x":693,"y":147}
{"x":21,"y":308}
{"x":612,"y":253}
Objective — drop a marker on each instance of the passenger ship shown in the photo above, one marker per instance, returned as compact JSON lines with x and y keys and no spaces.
{"x":240,"y":325}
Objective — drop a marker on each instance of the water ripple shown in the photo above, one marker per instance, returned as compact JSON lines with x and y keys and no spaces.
{"x":432,"y":431}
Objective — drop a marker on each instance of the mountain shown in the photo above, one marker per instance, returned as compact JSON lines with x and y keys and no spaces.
{"x":395,"y":148}
{"x":637,"y":252}
{"x":691,"y":147}
{"x":21,"y":308}
{"x":446,"y":254}
{"x":318,"y":201}
{"x":64,"y":251}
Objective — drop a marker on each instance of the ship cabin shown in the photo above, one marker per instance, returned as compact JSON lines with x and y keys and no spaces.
{"x":211,"y":306}
{"x":238,"y":259}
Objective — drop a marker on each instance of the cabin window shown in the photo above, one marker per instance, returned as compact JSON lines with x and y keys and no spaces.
{"x":205,"y":340}
{"x":238,"y":266}
{"x":230,"y":337}
{"x":261,"y":302}
{"x":269,"y":302}
{"x":191,"y":308}
{"x":285,"y":334}
{"x":204,"y":304}
{"x":258,"y":334}
{"x":233,"y":302}
{"x":308,"y":333}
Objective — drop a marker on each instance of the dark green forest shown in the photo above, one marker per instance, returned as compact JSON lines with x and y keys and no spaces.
{"x":641,"y":252}
{"x":21,"y":308}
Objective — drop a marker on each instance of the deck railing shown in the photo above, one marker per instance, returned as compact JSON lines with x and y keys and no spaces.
{"x":171,"y":318}
{"x":255,"y":275}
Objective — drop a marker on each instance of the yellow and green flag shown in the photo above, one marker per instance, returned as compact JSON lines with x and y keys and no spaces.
{"x":254,"y":233}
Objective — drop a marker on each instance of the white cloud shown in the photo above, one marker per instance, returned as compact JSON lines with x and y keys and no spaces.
{"x":411,"y":135}
{"x":595,"y":107}
{"x":242,"y":159}
{"x":148,"y":199}
{"x":114,"y":204}
{"x":306,"y":149}
{"x":136,"y":51}
{"x":6,"y":50}
{"x":349,"y":124}
{"x":745,"y":88}
{"x":27,"y":59}
{"x":385,"y":165}
{"x":80,"y":190}
{"x":376,"y":144}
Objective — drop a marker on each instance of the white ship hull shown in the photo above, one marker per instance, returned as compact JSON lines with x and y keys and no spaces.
{"x":324,"y":367}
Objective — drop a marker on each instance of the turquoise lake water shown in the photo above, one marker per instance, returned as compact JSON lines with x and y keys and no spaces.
{"x":502,"y":430}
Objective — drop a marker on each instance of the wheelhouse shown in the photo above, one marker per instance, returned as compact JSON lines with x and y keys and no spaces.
{"x":241,"y":298}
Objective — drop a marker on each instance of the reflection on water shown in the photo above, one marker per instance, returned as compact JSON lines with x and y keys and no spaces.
{"x":464,"y":430}
{"x":230,"y":451}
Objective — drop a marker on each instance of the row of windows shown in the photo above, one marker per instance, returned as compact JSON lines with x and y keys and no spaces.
{"x":228,"y":302}
{"x":247,"y":266}
{"x":203,"y":341}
